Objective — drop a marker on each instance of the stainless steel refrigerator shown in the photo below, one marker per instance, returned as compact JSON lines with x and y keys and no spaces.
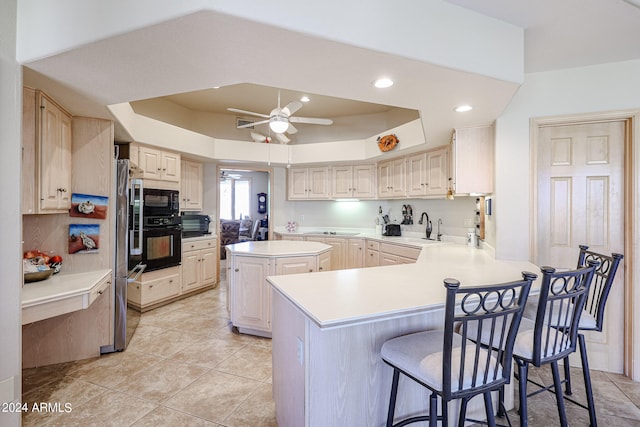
{"x":128,"y":241}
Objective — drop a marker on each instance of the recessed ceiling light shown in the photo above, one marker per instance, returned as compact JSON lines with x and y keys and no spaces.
{"x":464,"y":108}
{"x":305,"y":98}
{"x":383,"y":83}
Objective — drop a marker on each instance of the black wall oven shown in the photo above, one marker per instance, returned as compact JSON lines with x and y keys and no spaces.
{"x":156,"y":229}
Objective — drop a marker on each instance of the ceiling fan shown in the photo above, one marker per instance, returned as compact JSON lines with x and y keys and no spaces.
{"x":280,"y":119}
{"x":224,"y":175}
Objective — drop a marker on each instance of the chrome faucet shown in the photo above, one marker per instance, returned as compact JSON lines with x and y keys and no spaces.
{"x":429,"y":228}
{"x":439,"y":233}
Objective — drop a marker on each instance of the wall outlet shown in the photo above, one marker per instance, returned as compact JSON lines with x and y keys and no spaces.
{"x":468,"y":222}
{"x":301,"y":217}
{"x":300,"y":349}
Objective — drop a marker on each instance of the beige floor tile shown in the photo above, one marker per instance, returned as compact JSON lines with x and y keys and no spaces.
{"x":213,"y":396}
{"x":161,"y":380}
{"x":110,"y":370}
{"x":252,"y":362}
{"x":199,"y":324}
{"x":164,"y":344}
{"x":208,"y":353}
{"x":162,"y":416}
{"x":164,"y":319}
{"x":106,"y":410}
{"x":63,"y":391}
{"x":36,"y":377}
{"x":257,"y":411}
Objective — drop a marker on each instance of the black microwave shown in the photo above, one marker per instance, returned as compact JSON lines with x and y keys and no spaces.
{"x":160,"y":203}
{"x":195,"y":225}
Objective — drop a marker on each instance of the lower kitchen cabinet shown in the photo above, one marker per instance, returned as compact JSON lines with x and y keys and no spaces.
{"x":355,"y":253}
{"x":249,"y":294}
{"x":154,"y":288}
{"x":383,"y":253}
{"x":199,"y":263}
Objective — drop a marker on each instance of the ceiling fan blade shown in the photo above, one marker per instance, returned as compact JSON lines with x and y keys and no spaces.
{"x":248,"y":125}
{"x":291,"y":129}
{"x":235,"y":110}
{"x":291,"y":108}
{"x":258,"y":137}
{"x":282,"y":138}
{"x":311,"y":120}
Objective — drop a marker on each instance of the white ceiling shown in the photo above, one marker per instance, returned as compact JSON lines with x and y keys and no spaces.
{"x":207,"y":49}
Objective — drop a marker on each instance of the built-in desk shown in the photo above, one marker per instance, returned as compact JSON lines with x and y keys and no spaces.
{"x":62,"y":293}
{"x":328,"y":329}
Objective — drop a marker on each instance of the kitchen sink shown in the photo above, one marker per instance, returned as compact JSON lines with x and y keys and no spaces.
{"x":334,"y":233}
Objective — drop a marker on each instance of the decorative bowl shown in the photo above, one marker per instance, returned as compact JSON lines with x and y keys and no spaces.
{"x":37,"y":276}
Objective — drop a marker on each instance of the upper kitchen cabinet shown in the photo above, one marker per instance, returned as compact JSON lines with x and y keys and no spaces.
{"x":191,"y":186}
{"x":46,"y":145}
{"x":159,"y":165}
{"x":353,"y":181}
{"x":391,"y":178}
{"x":428,"y":173}
{"x":308,"y":183}
{"x":472,"y":160}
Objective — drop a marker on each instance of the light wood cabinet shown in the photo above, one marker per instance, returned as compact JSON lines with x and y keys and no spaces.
{"x":391,"y":178}
{"x":472,"y":160}
{"x":308,"y":183}
{"x":372,"y":254}
{"x":199,"y":264}
{"x":249,"y":296}
{"x":355,"y":253}
{"x":191,"y":186}
{"x":338,"y":253}
{"x":428,"y":173}
{"x":158,"y":164}
{"x":46,"y":148}
{"x":153,"y":288}
{"x":356,"y":181}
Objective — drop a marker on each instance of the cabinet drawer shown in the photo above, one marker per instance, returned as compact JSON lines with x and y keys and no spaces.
{"x":373,"y":245}
{"x":157,"y":290}
{"x":400,"y":250}
{"x":196,"y":245}
{"x":99,"y":290}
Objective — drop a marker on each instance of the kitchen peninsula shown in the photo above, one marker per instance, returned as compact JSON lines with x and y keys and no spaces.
{"x":249,"y":264}
{"x":328,"y":329}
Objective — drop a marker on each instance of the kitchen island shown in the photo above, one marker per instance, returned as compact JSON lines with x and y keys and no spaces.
{"x":249,"y":264}
{"x":328,"y":329}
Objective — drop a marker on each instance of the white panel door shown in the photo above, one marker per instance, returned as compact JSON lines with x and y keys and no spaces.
{"x":580,"y":184}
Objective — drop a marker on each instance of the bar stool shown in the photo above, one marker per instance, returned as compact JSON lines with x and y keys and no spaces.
{"x":592,"y":318}
{"x":552,"y":336}
{"x":458,"y":366}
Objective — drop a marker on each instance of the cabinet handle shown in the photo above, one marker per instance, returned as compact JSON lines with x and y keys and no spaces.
{"x":138,"y":287}
{"x":320,"y":269}
{"x":150,"y":286}
{"x":170,"y":280}
{"x":159,"y":169}
{"x":236,"y":270}
{"x":100,"y":292}
{"x":311,"y":270}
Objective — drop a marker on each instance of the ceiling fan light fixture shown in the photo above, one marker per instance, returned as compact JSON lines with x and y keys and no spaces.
{"x":279,"y":124}
{"x":383,"y":83}
{"x":305,"y":98}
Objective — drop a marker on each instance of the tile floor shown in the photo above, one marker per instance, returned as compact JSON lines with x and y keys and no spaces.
{"x":185,"y":367}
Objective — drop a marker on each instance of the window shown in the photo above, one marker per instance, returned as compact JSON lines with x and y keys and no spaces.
{"x":235,"y":202}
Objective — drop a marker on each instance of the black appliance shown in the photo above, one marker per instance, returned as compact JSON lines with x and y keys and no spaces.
{"x":155,"y":227}
{"x":195,"y":225}
{"x":392,"y":230}
{"x":160,"y":203}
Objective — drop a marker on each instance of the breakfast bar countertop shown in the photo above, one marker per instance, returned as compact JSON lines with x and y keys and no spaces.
{"x":346,"y":297}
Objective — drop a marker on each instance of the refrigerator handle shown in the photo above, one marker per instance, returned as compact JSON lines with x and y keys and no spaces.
{"x":137,"y":270}
{"x":137,"y":198}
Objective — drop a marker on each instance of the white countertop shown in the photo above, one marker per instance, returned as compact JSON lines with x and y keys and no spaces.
{"x":60,"y":294}
{"x":276,"y":248}
{"x":407,"y":240}
{"x":195,"y":239}
{"x":346,"y":297}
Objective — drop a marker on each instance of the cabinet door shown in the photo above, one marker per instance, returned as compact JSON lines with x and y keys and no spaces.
{"x":473,"y":160}
{"x":324,"y":261}
{"x":208,"y":265}
{"x":190,"y":270}
{"x":318,"y":180}
{"x":372,"y":258}
{"x":170,"y":167}
{"x":417,"y":175}
{"x":150,"y":163}
{"x":397,"y":178}
{"x":342,"y":181}
{"x":384,"y":179}
{"x":338,"y":253}
{"x":294,"y":265}
{"x":388,"y":259}
{"x":438,"y":171}
{"x":250,"y":299}
{"x":355,"y":253}
{"x":191,"y":186}
{"x":364,"y":181}
{"x":297,"y":183}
